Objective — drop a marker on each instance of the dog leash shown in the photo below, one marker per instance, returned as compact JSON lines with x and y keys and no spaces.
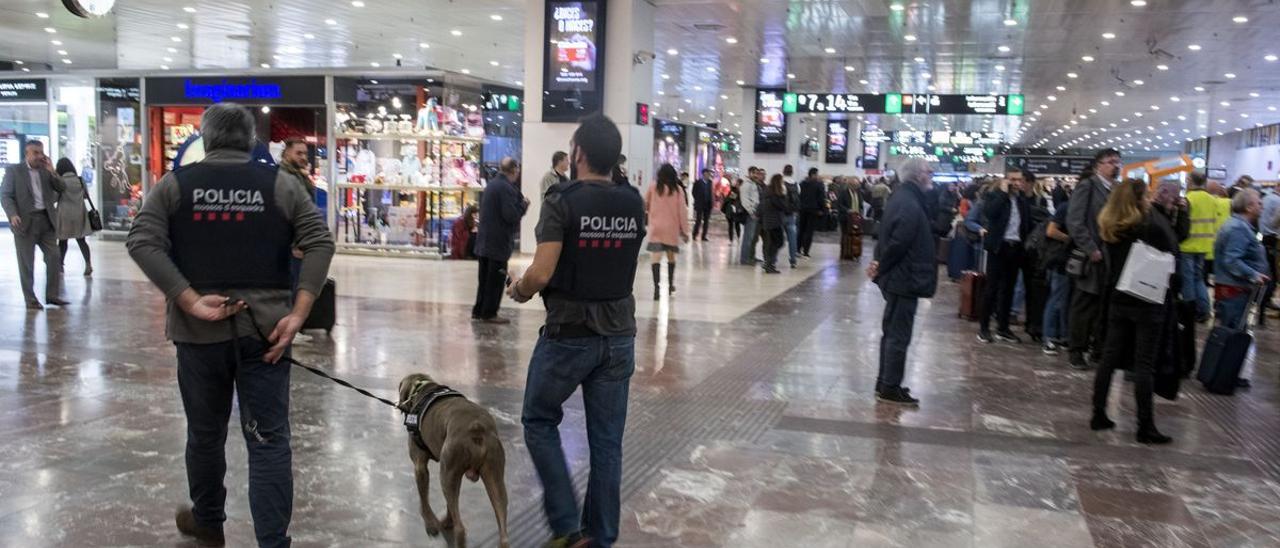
{"x":253,"y":320}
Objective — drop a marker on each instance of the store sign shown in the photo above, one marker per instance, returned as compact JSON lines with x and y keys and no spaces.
{"x":89,"y":8}
{"x":642,"y":114}
{"x":1049,"y":165}
{"x":285,"y":90}
{"x":573,"y":61}
{"x":118,"y":93}
{"x":771,"y":122}
{"x":23,"y":90}
{"x":832,"y":102}
{"x":837,"y":142}
{"x":501,"y":102}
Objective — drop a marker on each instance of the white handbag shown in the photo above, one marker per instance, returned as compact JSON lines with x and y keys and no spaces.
{"x":1146,"y":273}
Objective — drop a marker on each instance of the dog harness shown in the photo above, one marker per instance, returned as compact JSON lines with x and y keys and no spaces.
{"x":422,"y":402}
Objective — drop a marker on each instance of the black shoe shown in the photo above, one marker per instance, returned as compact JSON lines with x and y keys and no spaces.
{"x":769,"y":269}
{"x":57,"y":302}
{"x":896,"y":395}
{"x":1077,"y":361}
{"x":35,"y":305}
{"x":985,"y":336}
{"x":205,"y":536}
{"x":1151,"y":436}
{"x":1007,"y":336}
{"x":1101,"y":422}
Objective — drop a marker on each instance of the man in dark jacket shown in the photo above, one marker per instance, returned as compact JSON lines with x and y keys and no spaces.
{"x":501,"y":208}
{"x":813,"y":205}
{"x":1007,"y":217}
{"x":1088,"y":303}
{"x":702,"y":199}
{"x":905,"y":268}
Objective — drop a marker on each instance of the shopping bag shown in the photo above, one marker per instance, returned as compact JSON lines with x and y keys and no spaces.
{"x":1146,"y":273}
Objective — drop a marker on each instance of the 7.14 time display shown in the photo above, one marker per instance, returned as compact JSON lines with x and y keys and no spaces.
{"x":903,"y":103}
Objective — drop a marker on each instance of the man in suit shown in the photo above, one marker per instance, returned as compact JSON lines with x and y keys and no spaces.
{"x":1007,"y":217}
{"x":702,"y":198}
{"x":28,"y":194}
{"x":1088,"y":313}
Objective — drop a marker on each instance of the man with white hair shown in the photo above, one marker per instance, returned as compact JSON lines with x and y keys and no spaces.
{"x":216,"y":237}
{"x":1240,"y":263}
{"x":905,"y":269}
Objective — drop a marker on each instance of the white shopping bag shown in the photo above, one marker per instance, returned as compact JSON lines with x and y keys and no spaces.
{"x":1146,"y":273}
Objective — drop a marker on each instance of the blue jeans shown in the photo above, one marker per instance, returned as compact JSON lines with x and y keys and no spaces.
{"x":1055,"y":310}
{"x":793,"y":240}
{"x":1230,"y":312}
{"x":897,"y":324}
{"x":1193,"y":288}
{"x":750,"y":235}
{"x":208,"y":378}
{"x":603,"y":367}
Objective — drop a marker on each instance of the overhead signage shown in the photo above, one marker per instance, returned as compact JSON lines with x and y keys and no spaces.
{"x":832,"y":102}
{"x":875,"y":135}
{"x":869,"y":159}
{"x":573,"y":61}
{"x":771,"y":122}
{"x":947,"y":138}
{"x":903,"y":103}
{"x":284,"y":90}
{"x":974,"y":154}
{"x":837,"y":142}
{"x":1049,"y":165}
{"x":23,"y":90}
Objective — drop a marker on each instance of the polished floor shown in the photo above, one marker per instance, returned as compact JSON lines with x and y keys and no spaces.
{"x":751,"y":422}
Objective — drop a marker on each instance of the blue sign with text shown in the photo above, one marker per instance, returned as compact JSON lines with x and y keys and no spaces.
{"x":224,"y":90}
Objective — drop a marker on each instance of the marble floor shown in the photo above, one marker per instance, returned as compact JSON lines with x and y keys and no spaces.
{"x":751,"y":422}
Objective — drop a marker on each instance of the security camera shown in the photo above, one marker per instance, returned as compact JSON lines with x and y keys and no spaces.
{"x":641,"y":57}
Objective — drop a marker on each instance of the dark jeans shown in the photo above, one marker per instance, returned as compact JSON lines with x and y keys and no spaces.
{"x":735,"y":228}
{"x":602,"y":366}
{"x":1055,"y":311}
{"x":792,"y":236}
{"x":701,"y":220}
{"x":773,"y":239}
{"x":1269,"y":244}
{"x":1133,"y":337}
{"x":1194,"y":284}
{"x":1231,"y":312}
{"x":899,"y":319}
{"x":1002,"y":276}
{"x":808,"y":224}
{"x":492,"y":279}
{"x":84,"y":251}
{"x":750,"y":234}
{"x":1088,"y":322}
{"x":208,"y":378}
{"x":1036,"y":294}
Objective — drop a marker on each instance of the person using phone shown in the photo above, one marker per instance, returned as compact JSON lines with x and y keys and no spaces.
{"x":29,"y":195}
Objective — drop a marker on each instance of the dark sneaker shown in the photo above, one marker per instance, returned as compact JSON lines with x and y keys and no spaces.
{"x":1007,"y":336}
{"x":985,"y":336}
{"x":205,"y":536}
{"x":1050,"y":349}
{"x":1101,"y":422}
{"x":1078,"y":362}
{"x":1152,"y":436}
{"x":575,"y":540}
{"x":897,"y":396}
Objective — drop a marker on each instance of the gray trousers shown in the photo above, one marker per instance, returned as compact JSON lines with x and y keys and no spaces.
{"x":39,"y":233}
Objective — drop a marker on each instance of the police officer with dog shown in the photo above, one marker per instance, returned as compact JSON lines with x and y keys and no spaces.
{"x":589,"y":237}
{"x":216,"y":238}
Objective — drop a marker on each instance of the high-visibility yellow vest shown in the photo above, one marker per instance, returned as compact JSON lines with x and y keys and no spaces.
{"x":1205,"y":222}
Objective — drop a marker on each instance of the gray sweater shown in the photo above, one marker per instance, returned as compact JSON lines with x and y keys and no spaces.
{"x":149,"y":247}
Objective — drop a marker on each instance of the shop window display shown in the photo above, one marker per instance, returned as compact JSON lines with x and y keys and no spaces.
{"x":118,"y":146}
{"x":408,"y":163}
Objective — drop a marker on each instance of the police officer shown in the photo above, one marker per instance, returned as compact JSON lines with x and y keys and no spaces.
{"x":589,"y":238}
{"x":216,"y":238}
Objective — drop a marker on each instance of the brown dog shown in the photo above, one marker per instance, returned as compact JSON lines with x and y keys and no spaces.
{"x":464,"y":437}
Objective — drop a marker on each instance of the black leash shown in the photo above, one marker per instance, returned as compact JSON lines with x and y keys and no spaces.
{"x":254,"y":321}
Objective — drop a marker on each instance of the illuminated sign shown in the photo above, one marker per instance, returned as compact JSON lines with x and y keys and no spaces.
{"x":771,"y":122}
{"x":23,"y":90}
{"x":204,"y":90}
{"x":903,"y":103}
{"x":642,"y":114}
{"x":226,"y":90}
{"x":573,"y":60}
{"x":1049,"y":165}
{"x":837,"y":142}
{"x":833,"y":102}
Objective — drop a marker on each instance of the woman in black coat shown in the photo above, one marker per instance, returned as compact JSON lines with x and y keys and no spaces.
{"x":774,"y":207}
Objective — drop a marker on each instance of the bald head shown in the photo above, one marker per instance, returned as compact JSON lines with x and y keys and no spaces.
{"x":1167,"y":194}
{"x":509,"y":167}
{"x":1215,"y":188}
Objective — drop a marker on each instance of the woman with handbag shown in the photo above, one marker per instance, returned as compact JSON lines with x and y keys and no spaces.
{"x":732,"y":209}
{"x":74,"y":221}
{"x":1134,"y":325}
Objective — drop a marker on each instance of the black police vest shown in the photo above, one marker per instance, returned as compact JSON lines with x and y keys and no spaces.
{"x":228,"y":232}
{"x":603,"y":231}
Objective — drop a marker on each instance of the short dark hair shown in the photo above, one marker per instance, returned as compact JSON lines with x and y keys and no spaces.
{"x":1197,"y":179}
{"x":705,"y":171}
{"x":1028,"y":176}
{"x":558,"y":157}
{"x":813,"y":171}
{"x":787,"y":170}
{"x":288,"y":143}
{"x":1106,"y":153}
{"x":599,"y":140}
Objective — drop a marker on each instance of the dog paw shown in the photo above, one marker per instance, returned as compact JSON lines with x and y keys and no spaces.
{"x":433,"y":528}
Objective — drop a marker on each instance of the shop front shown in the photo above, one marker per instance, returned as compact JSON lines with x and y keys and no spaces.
{"x":117,"y":154}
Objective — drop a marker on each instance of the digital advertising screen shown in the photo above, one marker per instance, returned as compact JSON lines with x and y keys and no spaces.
{"x":573,"y":60}
{"x":771,"y":122}
{"x":837,"y":142}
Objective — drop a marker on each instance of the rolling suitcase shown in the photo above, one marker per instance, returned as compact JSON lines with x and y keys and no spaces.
{"x":851,"y":241}
{"x":1224,"y":354}
{"x":323,"y":312}
{"x":972,"y":285}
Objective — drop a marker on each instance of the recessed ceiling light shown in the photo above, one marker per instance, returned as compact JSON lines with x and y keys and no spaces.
{"x":863,"y":82}
{"x":660,"y":92}
{"x":357,"y":4}
{"x":697,"y":88}
{"x":1254,"y":94}
{"x":265,"y":65}
{"x":56,"y":42}
{"x":1072,"y":75}
{"x":50,"y":30}
{"x":1052,"y":97}
{"x":909,"y":37}
{"x":1230,"y":75}
{"x":926,"y":76}
{"x":1087,"y":58}
{"x":731,"y":40}
{"x":175,"y":38}
{"x":1062,"y":88}
{"x":66,"y":61}
{"x":189,"y":9}
{"x":896,"y":6}
{"x":790,"y":76}
{"x":164,"y":67}
{"x":309,"y":36}
{"x":1155,"y":107}
{"x":1199,"y":88}
{"x":42,"y":15}
{"x":1193,"y":47}
{"x":1240,"y":19}
{"x":495,"y":63}
{"x":1003,"y":49}
{"x":455,"y":32}
{"x":375,"y":64}
{"x":424,"y":45}
{"x":1105,"y":103}
{"x":1175,"y":98}
{"x":1138,"y":82}
{"x":1271,"y":108}
{"x":673,"y":51}
{"x":1200,"y":111}
{"x":1109,"y":35}
{"x":1010,"y":22}
{"x":183,"y":26}
{"x":330,"y":22}
{"x":465,"y":71}
{"x":829,"y":50}
{"x":496,"y":17}
{"x":1271,"y":58}
{"x":168,"y":59}
{"x":848,"y":68}
{"x":666,"y":76}
{"x":1162,"y":67}
{"x":764,"y":60}
{"x":711,"y":69}
{"x":62,"y":52}
{"x":1119,"y":94}
{"x":741,"y":82}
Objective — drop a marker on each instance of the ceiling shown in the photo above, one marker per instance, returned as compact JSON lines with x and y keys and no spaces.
{"x":1071,"y":58}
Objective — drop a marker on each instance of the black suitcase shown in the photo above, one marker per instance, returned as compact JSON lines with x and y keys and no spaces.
{"x":1224,"y":354}
{"x":323,"y":312}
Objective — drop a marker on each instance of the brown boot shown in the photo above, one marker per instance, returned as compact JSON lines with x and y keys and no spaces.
{"x":205,"y":536}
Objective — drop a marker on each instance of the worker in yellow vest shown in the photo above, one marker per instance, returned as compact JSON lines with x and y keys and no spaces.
{"x":1206,"y":218}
